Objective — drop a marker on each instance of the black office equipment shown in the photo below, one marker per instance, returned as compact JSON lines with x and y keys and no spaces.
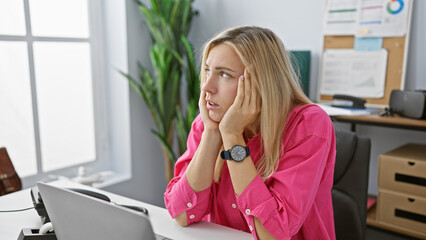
{"x":38,"y":205}
{"x":347,"y":101}
{"x":33,"y":234}
{"x":410,"y":104}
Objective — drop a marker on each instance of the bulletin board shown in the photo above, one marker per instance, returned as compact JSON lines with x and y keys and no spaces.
{"x":397,"y":48}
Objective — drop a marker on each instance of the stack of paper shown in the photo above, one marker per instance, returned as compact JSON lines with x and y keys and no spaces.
{"x":334,"y":111}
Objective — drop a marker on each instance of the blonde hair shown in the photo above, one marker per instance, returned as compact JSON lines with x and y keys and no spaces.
{"x":263,"y":53}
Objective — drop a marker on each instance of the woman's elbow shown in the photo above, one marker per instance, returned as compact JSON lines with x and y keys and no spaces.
{"x":182,"y":220}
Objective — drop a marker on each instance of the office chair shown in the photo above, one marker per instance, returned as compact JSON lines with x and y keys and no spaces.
{"x":350,"y":185}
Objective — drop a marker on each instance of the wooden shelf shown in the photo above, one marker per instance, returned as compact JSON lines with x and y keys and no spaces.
{"x":395,"y":121}
{"x":372,"y":221}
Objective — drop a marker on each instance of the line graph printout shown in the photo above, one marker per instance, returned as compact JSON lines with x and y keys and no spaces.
{"x":356,"y":73}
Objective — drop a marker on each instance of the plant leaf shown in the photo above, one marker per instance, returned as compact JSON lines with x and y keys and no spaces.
{"x":166,"y":145}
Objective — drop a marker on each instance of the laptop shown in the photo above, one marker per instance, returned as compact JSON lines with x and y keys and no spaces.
{"x":78,"y":216}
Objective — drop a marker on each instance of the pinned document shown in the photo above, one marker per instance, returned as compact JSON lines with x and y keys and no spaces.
{"x":356,"y":73}
{"x":341,"y":17}
{"x":379,"y":18}
{"x":372,"y":18}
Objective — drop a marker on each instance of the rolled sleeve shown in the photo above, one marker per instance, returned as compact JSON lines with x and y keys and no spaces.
{"x":282,"y":204}
{"x":180,"y":198}
{"x":257,"y":201}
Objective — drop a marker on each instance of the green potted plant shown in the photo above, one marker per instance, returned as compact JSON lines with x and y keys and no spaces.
{"x":172,"y":58}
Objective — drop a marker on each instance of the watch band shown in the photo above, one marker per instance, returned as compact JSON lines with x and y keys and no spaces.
{"x":225,"y":155}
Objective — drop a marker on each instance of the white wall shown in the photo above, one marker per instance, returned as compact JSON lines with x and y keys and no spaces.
{"x":299,"y":25}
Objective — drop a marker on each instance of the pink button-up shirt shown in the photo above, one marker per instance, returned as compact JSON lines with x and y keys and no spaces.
{"x":295,"y":202}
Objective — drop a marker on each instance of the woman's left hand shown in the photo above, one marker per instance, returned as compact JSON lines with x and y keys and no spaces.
{"x":245,"y":109}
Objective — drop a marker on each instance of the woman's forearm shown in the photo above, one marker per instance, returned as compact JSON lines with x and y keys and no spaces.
{"x":199,"y":173}
{"x":242,"y":173}
{"x":182,"y":219}
{"x":201,"y":168}
{"x":261,"y":232}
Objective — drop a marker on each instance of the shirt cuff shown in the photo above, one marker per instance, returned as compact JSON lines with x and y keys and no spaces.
{"x":257,"y":201}
{"x":182,"y":198}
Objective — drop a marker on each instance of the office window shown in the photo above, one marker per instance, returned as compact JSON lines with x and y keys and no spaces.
{"x":51,"y":102}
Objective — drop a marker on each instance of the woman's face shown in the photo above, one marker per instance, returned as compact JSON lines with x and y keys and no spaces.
{"x":223,"y":69}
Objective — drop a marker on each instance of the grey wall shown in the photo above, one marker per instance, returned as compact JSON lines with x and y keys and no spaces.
{"x":416,"y":62}
{"x":148,"y":181}
{"x":299,"y":25}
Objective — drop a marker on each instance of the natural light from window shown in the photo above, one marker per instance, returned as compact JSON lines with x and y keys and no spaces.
{"x":16,"y":121}
{"x":65,"y":105}
{"x":59,"y":18}
{"x":12,"y":20}
{"x":46,"y":85}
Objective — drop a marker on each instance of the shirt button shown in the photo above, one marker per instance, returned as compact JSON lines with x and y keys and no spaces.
{"x":192,"y":217}
{"x":251,"y":228}
{"x":234,"y":205}
{"x":189,"y":204}
{"x":247,"y":211}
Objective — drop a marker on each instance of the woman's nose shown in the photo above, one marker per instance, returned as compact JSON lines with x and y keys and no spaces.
{"x":209,"y":85}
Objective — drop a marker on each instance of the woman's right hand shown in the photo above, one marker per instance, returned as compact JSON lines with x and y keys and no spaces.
{"x":208,"y":123}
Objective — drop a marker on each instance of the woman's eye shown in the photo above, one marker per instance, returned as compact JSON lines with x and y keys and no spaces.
{"x":223,"y":74}
{"x":207,"y":72}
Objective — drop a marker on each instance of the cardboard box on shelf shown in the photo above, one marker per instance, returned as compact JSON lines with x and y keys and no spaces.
{"x":402,"y":211}
{"x":404,"y":170}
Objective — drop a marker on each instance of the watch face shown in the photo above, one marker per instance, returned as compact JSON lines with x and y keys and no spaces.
{"x":238,"y":153}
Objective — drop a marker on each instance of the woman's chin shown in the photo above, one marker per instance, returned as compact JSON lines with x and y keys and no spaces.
{"x":215,"y":117}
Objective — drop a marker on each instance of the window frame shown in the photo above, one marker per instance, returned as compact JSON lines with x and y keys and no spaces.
{"x":103,"y":86}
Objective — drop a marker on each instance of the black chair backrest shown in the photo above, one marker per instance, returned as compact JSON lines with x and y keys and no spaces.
{"x":350,"y":187}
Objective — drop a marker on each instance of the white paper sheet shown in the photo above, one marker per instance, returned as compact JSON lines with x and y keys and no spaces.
{"x":356,"y":73}
{"x":341,"y":17}
{"x":367,"y":18}
{"x":335,"y":111}
{"x":382,"y":18}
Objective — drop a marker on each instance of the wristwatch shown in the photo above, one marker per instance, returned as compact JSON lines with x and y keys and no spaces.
{"x":237,"y":153}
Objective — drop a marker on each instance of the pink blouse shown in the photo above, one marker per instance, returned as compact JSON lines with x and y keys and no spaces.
{"x":295,"y":202}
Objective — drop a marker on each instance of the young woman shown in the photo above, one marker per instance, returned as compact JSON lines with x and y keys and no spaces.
{"x":260,"y":157}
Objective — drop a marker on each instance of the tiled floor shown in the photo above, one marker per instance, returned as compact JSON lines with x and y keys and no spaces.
{"x":378,"y":234}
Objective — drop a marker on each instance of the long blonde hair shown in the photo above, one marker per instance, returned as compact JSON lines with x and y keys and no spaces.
{"x":272,"y":74}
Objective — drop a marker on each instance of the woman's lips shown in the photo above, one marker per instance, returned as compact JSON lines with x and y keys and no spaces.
{"x":212,"y":105}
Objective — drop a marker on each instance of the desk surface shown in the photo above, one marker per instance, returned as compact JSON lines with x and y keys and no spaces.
{"x":12,"y":223}
{"x":396,"y":121}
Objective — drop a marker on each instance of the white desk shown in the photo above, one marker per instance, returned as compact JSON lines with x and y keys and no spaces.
{"x":12,"y":223}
